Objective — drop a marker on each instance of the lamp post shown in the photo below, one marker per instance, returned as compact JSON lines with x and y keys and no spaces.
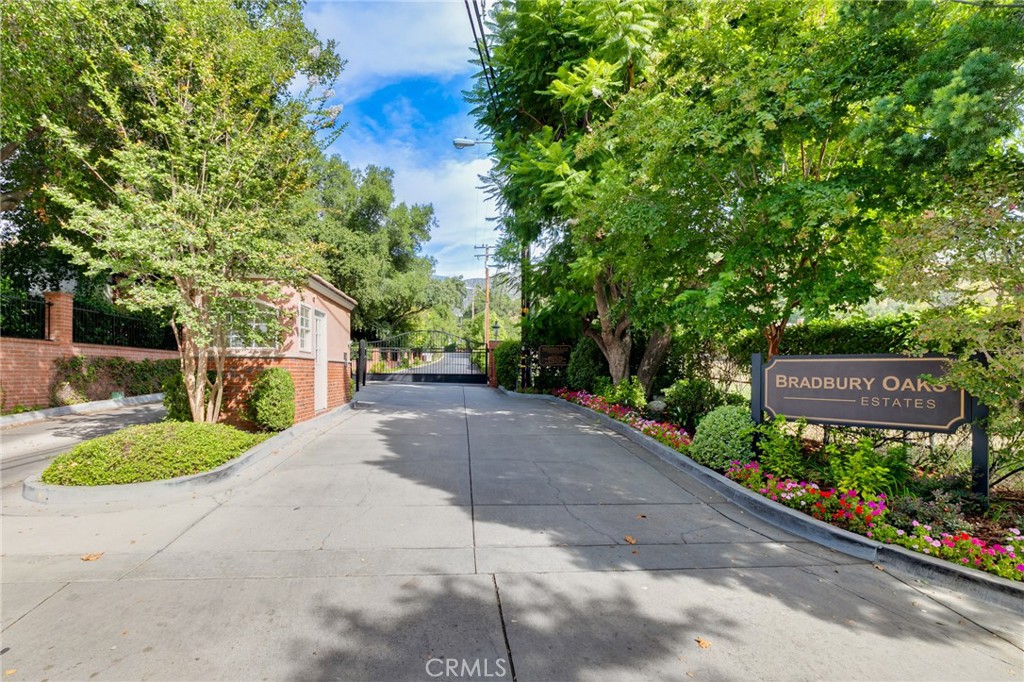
{"x":495,"y":328}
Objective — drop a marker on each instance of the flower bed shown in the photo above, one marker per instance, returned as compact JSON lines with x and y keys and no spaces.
{"x":663,"y":432}
{"x":865,"y":514}
{"x":859,"y":513}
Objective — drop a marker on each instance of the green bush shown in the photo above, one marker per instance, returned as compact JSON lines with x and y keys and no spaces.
{"x":780,"y":452}
{"x":890,"y":334}
{"x":271,"y":402}
{"x":862,"y":468}
{"x":725,"y":435}
{"x":506,"y":363}
{"x":586,"y":366}
{"x":79,"y":379}
{"x":150,"y":452}
{"x":629,"y":392}
{"x":688,"y":400}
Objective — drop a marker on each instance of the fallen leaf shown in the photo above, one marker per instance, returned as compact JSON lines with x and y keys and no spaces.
{"x":703,"y":643}
{"x":11,"y":671}
{"x":689,"y":674}
{"x":92,"y":557}
{"x":635,"y":551}
{"x":630,"y":539}
{"x":880,"y":568}
{"x":641,"y":516}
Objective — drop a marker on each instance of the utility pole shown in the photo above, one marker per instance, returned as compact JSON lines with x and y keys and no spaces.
{"x":486,"y":255}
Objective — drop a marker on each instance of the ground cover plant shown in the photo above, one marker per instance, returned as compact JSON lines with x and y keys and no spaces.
{"x":875,"y":489}
{"x":150,"y":452}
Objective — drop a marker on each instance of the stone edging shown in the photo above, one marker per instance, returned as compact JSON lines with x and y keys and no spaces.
{"x":978,"y":584}
{"x":35,"y":490}
{"x":81,"y":408}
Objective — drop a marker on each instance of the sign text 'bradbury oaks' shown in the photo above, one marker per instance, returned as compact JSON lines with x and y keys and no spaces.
{"x":873,"y":391}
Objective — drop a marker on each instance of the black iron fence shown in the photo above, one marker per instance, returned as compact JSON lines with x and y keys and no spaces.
{"x":23,"y":317}
{"x":110,"y":329}
{"x":425,"y":356}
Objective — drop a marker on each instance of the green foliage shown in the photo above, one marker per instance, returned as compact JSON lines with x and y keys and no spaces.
{"x":890,"y":334}
{"x":963,"y":258}
{"x":629,"y":392}
{"x":781,"y":452}
{"x":863,"y":468}
{"x":200,"y":171}
{"x":725,"y":435}
{"x":374,"y":248}
{"x":149,"y":452}
{"x":688,"y":400}
{"x":271,"y":402}
{"x":79,"y":379}
{"x":938,"y":509}
{"x":176,"y":399}
{"x":506,"y":363}
{"x":586,"y":366}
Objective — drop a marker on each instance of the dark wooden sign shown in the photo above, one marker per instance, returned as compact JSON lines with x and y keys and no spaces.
{"x":873,"y":391}
{"x":885,"y":392}
{"x":553,"y":356}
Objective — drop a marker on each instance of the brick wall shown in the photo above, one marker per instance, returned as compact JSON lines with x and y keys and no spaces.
{"x":27,"y":371}
{"x":241,"y":372}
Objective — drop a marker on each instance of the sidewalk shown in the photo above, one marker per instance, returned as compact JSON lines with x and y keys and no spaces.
{"x":440,"y":532}
{"x":27,"y":449}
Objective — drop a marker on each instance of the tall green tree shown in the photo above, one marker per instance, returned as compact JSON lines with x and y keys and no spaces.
{"x":964,"y":257}
{"x":374,"y":248}
{"x":208,"y":153}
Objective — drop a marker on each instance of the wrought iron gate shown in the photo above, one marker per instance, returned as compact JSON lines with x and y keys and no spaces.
{"x":427,"y":356}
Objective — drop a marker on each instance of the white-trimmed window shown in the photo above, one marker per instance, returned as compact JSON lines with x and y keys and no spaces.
{"x":305,"y":328}
{"x":255,"y":335}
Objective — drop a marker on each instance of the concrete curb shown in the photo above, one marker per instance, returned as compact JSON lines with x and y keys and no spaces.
{"x":182,"y":487}
{"x":10,"y":420}
{"x":977,"y":584}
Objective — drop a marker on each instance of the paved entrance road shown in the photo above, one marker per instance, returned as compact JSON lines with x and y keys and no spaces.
{"x":440,"y":531}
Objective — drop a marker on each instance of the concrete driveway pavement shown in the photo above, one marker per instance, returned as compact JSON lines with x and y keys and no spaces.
{"x":451,"y":532}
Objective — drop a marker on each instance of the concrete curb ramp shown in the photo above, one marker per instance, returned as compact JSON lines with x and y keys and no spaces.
{"x":182,"y":487}
{"x":10,"y":420}
{"x":978,"y":584}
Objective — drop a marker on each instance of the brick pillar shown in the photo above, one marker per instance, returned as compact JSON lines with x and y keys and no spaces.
{"x":61,"y":310}
{"x":492,"y":371}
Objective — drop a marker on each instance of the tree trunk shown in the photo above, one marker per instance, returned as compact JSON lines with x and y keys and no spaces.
{"x":655,"y":353}
{"x":614,"y":339}
{"x":773,"y":334}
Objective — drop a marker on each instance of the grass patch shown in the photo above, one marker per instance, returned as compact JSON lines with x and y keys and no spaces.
{"x":150,"y":452}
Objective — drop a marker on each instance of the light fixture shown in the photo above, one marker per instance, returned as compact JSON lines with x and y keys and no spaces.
{"x":463,"y":142}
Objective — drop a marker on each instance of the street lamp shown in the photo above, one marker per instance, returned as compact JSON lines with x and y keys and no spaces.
{"x":495,"y":327}
{"x":463,"y":142}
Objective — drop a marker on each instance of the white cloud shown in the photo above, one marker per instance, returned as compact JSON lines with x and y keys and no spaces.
{"x":385,"y":42}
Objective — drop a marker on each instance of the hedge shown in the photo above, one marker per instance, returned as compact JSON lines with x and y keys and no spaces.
{"x":79,"y":379}
{"x":890,"y":334}
{"x":506,"y":363}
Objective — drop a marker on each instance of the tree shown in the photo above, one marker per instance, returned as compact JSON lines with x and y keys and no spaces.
{"x":559,"y":70}
{"x":816,"y":122}
{"x":374,"y":248}
{"x":964,"y":257}
{"x":208,"y":153}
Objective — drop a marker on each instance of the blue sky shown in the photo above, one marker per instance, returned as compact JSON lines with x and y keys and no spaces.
{"x":408,"y":63}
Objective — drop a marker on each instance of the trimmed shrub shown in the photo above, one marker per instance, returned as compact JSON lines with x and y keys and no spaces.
{"x":150,"y":452}
{"x":271,"y":402}
{"x":725,"y":435}
{"x":890,"y":334}
{"x":688,"y":400}
{"x":506,"y":363}
{"x":586,"y":366}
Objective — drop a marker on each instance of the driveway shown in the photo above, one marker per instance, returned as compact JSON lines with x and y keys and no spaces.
{"x":450,"y":532}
